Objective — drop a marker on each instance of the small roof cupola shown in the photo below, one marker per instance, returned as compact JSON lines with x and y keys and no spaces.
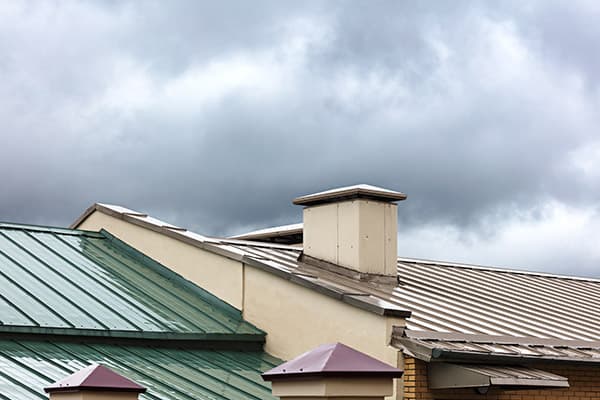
{"x":353,"y":227}
{"x":333,"y":371}
{"x":95,"y":382}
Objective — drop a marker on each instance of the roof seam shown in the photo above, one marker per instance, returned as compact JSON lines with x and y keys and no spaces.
{"x":111,"y":290}
{"x":152,"y":283}
{"x":156,"y":266}
{"x":95,"y":298}
{"x":33,"y":296}
{"x":45,"y":283}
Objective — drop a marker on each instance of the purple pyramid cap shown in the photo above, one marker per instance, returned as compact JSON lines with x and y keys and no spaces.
{"x":330,"y":360}
{"x":95,"y":377}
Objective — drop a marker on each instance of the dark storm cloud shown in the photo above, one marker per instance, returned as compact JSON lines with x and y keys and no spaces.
{"x":215,"y":115}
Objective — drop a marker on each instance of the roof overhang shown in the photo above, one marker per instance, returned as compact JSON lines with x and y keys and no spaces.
{"x":453,"y":376}
{"x":458,"y":347}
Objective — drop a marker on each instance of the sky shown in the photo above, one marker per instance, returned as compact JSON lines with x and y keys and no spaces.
{"x":215,"y":115}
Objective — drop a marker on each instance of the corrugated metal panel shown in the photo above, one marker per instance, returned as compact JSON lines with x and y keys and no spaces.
{"x":169,"y":374}
{"x":472,"y":300}
{"x":63,"y":279}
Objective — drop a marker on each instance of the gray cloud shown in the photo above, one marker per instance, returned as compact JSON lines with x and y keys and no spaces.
{"x":215,"y":116}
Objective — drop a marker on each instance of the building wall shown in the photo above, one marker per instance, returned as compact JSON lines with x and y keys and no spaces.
{"x":219,"y":275}
{"x":296,"y":319}
{"x":584,"y":381}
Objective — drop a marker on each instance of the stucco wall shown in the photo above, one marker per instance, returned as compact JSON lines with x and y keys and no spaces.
{"x":299,"y":319}
{"x":219,"y":275}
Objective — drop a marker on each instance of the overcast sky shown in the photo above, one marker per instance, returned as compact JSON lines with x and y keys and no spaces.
{"x":214,"y":115}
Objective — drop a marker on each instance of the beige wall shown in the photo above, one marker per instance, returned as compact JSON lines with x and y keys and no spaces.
{"x":354,"y":388}
{"x":358,"y":234}
{"x":219,"y":275}
{"x":297,"y":319}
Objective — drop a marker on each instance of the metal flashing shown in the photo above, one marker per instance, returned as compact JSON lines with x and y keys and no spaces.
{"x":453,"y":376}
{"x":348,"y":193}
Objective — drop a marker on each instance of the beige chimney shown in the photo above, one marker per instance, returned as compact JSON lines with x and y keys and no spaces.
{"x":353,"y":227}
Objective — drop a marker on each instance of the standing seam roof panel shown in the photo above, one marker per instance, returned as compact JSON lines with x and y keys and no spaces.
{"x":169,"y":374}
{"x":52,"y":280}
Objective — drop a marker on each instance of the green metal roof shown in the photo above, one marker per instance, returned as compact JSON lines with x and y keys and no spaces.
{"x":68,"y":282}
{"x":26,"y":367}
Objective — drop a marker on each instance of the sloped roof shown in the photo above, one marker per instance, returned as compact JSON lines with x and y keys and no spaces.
{"x":438,"y":297}
{"x":167,"y":373}
{"x":335,"y":359}
{"x":65,"y":293}
{"x":95,"y":377}
{"x":71,"y":282}
{"x":437,"y":346}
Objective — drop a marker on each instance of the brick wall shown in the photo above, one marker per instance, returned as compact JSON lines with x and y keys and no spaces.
{"x":584,"y":382}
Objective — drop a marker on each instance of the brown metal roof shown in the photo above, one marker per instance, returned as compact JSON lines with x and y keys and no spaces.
{"x":95,"y":377}
{"x":439,"y":297}
{"x":334,"y":359}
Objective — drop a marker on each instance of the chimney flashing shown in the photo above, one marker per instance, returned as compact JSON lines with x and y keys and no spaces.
{"x":362,"y":191}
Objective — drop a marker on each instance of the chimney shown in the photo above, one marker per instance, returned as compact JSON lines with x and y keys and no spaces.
{"x":353,"y":227}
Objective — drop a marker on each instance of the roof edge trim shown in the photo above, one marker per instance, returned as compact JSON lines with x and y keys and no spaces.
{"x":9,"y":331}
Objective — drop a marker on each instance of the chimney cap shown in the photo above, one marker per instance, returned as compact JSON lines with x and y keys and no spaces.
{"x":350,"y":192}
{"x":95,"y":378}
{"x":332,"y":360}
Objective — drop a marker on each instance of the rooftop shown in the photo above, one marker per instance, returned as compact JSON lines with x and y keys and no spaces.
{"x":71,"y":299}
{"x":437,"y":297}
{"x":168,"y":373}
{"x":329,"y":360}
{"x":68,"y":282}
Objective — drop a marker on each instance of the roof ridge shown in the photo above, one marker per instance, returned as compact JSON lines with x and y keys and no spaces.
{"x":48,"y":228}
{"x":497,"y":269}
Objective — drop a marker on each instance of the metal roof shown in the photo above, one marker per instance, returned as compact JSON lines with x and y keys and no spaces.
{"x":335,"y":359}
{"x":450,"y":376}
{"x":59,"y":281}
{"x":26,"y":367}
{"x":95,"y":377}
{"x":431,"y":346}
{"x":464,"y":299}
{"x":438,"y":296}
{"x":350,"y":192}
